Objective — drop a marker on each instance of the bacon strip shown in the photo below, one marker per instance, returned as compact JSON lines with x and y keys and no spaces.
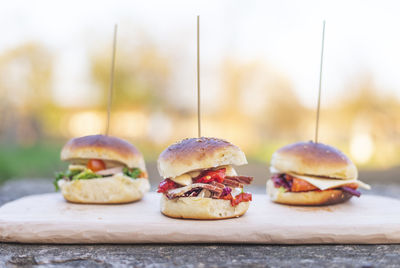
{"x":220,"y":186}
{"x":232,"y":183}
{"x":217,"y":184}
{"x":213,"y":188}
{"x":216,"y":195}
{"x":240,"y":179}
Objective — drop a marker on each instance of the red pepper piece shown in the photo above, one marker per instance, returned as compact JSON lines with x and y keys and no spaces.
{"x":243,"y":197}
{"x":166,"y":185}
{"x":227,"y":197}
{"x":212,"y":175}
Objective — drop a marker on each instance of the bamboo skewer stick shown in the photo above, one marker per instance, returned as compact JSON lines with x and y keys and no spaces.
{"x":320,"y":82}
{"x":198,"y":78}
{"x":111,"y":87}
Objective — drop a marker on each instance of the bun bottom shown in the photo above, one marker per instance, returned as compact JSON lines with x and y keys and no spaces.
{"x":112,"y":190}
{"x":310,"y":198}
{"x":201,"y":208}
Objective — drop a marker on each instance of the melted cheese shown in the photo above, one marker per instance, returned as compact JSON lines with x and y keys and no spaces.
{"x":194,"y":174}
{"x":230,"y":171}
{"x":184,"y":179}
{"x":324,"y":183}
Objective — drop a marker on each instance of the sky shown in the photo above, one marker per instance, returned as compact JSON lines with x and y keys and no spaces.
{"x":362,"y":37}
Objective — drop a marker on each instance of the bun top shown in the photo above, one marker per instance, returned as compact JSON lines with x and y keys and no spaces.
{"x":105,"y":148}
{"x":315,"y":159}
{"x":198,"y":153}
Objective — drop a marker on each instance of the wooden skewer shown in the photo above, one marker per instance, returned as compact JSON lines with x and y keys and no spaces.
{"x":110,"y":94}
{"x":320,"y":81}
{"x":198,"y":77}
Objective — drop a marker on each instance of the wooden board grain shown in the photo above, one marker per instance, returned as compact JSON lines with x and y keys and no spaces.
{"x":49,"y":219}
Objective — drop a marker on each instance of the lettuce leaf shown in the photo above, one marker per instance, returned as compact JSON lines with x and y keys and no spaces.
{"x":76,"y":174}
{"x":282,"y":189}
{"x":64,"y":175}
{"x":134,"y":173}
{"x":86,"y":174}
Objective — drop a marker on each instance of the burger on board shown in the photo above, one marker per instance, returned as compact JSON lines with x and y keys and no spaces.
{"x":308,"y":173}
{"x":102,"y":170}
{"x":199,"y":181}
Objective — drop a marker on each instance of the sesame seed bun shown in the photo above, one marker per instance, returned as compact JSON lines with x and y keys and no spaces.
{"x":201,"y":208}
{"x":315,"y":159}
{"x":104,"y":148}
{"x":310,"y":198}
{"x":198,"y":153}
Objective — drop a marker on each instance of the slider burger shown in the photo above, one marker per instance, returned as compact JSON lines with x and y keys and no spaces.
{"x":102,"y":170}
{"x":312,"y":174}
{"x":200,"y":182}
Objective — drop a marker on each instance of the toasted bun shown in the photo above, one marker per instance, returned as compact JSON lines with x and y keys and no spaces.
{"x":316,"y":159}
{"x":310,"y":198}
{"x":111,"y":190}
{"x":105,"y":148}
{"x":200,"y":208}
{"x":198,"y":153}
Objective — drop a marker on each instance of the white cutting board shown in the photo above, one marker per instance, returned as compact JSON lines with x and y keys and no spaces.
{"x":49,"y":219}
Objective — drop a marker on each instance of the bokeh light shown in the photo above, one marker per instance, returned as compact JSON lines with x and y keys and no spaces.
{"x":259,"y":76}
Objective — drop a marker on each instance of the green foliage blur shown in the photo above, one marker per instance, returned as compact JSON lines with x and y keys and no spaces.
{"x":255,"y":107}
{"x":40,"y":160}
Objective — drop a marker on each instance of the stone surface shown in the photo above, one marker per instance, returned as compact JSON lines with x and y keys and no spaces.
{"x":20,"y":255}
{"x":12,"y":255}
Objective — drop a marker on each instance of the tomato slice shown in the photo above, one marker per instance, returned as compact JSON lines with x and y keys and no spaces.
{"x":96,"y":165}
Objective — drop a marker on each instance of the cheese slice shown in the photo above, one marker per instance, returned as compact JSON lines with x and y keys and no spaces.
{"x":323,"y":183}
